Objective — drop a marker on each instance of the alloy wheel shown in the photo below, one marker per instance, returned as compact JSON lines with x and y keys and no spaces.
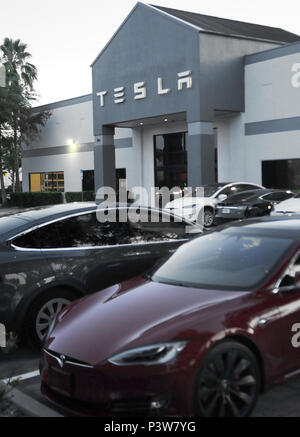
{"x":208,"y":218}
{"x":228,"y":385}
{"x":47,"y":314}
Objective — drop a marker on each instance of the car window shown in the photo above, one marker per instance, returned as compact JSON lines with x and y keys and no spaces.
{"x":237,"y":188}
{"x":277,"y":196}
{"x":86,"y":231}
{"x":78,"y":231}
{"x":160,"y":226}
{"x":30,"y":240}
{"x":224,"y":260}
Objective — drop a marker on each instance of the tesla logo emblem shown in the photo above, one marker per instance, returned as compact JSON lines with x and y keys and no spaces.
{"x":61,"y":360}
{"x":184,"y":80}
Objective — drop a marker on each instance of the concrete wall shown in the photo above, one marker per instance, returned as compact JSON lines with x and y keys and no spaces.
{"x":272,"y":117}
{"x":231,"y":148}
{"x":270,"y":127}
{"x":149,"y":45}
{"x":52,"y":152}
{"x":222,"y":71}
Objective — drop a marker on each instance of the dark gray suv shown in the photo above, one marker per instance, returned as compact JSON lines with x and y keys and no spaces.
{"x":52,"y":256}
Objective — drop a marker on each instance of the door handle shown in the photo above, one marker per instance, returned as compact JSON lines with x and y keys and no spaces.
{"x":138,"y":253}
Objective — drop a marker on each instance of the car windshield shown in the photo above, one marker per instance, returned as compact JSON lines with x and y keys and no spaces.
{"x":243,"y":197}
{"x":223,"y":260}
{"x":208,"y":190}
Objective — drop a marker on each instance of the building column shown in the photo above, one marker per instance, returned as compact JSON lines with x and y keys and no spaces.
{"x":104,"y":159}
{"x":200,"y":154}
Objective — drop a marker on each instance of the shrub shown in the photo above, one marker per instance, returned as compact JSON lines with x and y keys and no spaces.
{"x":35,"y":199}
{"x":78,"y":196}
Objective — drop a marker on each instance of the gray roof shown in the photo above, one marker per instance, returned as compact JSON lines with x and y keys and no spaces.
{"x":232,"y":27}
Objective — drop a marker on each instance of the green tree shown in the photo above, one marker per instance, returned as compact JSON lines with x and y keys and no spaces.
{"x":18,"y":96}
{"x":20,"y":77}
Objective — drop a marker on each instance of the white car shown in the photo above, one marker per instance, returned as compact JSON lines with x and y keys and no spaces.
{"x":288,"y":207}
{"x":201,"y":207}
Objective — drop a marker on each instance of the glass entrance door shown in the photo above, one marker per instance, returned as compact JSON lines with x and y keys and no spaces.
{"x":170,"y":160}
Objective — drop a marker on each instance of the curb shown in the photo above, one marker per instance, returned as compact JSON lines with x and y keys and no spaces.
{"x":30,"y":406}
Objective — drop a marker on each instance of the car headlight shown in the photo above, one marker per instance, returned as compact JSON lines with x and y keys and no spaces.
{"x":149,"y":355}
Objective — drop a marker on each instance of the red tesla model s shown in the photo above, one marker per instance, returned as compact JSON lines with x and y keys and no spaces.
{"x":202,"y":335}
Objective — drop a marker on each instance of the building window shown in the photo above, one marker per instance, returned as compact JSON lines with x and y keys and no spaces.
{"x":170,"y":160}
{"x":48,"y":181}
{"x":216,"y":153}
{"x":88,"y":180}
{"x":281,"y":173}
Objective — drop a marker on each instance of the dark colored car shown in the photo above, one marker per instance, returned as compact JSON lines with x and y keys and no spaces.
{"x":254,"y":203}
{"x":209,"y":330}
{"x":52,"y":256}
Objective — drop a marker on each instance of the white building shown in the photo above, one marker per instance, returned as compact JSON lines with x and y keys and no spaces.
{"x":178,"y":99}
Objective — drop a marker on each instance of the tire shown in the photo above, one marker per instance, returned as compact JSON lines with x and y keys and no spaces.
{"x":228,"y":382}
{"x":208,"y":217}
{"x":254,"y":212}
{"x":41,"y":313}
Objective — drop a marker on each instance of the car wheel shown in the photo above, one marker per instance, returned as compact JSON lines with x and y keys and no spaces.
{"x":42,"y":312}
{"x":228,"y":382}
{"x":208,"y":217}
{"x":255,"y":211}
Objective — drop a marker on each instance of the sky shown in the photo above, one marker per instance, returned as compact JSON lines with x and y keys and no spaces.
{"x":65,"y":36}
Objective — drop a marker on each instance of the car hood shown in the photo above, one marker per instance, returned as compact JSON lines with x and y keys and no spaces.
{"x":98,"y":327}
{"x":290,"y":205}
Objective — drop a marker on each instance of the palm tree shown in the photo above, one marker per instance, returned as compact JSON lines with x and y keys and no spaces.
{"x":20,"y":77}
{"x":15,"y":58}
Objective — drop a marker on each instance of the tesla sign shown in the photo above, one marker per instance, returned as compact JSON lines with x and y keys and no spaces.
{"x":296,"y":76}
{"x":184,"y":80}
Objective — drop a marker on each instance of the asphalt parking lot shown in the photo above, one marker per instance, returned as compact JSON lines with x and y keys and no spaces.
{"x":281,"y":401}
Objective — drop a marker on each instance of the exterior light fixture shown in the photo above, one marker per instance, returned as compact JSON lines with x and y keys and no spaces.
{"x":72,"y":144}
{"x":141,"y":124}
{"x":165,"y":120}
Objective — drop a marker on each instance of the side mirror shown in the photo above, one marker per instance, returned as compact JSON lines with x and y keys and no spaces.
{"x":222,"y":197}
{"x":294,"y":284}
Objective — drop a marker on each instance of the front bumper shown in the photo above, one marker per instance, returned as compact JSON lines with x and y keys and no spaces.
{"x":113,"y":391}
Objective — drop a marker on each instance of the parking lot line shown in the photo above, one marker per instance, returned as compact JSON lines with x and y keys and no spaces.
{"x":21,"y":377}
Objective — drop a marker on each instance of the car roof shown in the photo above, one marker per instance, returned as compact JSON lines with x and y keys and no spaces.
{"x":288,"y":227}
{"x":257,"y":191}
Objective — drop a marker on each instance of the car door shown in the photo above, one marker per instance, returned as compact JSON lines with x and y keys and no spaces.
{"x":23,"y":270}
{"x":289,"y":307}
